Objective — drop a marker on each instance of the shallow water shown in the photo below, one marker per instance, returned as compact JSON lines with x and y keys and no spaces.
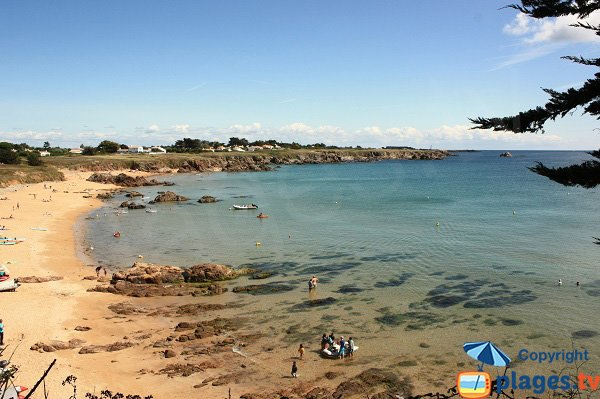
{"x":411,"y":251}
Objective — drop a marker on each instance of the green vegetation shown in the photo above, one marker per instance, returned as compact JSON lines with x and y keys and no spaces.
{"x":25,"y":174}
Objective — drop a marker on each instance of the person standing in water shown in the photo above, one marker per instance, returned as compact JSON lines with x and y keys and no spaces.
{"x":312,"y":283}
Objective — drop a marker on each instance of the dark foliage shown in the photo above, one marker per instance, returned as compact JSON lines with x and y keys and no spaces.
{"x":34,"y":159}
{"x":9,"y":157}
{"x":585,"y":175}
{"x":88,"y":151}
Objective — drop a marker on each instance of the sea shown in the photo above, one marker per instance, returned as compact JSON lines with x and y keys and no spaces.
{"x":414,"y":258}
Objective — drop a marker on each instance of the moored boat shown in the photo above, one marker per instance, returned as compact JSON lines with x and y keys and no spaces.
{"x":244,"y":207}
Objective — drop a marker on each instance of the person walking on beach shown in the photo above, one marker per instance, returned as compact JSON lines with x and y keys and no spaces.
{"x":294,"y":370}
{"x":98,"y":271}
{"x":301,"y":351}
{"x":1,"y":333}
{"x":350,"y":347}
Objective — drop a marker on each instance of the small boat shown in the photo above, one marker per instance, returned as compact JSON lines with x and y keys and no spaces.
{"x":335,"y":354}
{"x":13,"y":392}
{"x":121,"y":212}
{"x":150,"y":210}
{"x":39,"y":228}
{"x":8,"y":242}
{"x":262,"y":216}
{"x":9,"y":285}
{"x":243,"y":207}
{"x":117,"y":234}
{"x":506,"y":154}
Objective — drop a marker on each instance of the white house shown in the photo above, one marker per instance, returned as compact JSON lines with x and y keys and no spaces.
{"x":75,"y":150}
{"x":44,"y":153}
{"x":138,"y":149}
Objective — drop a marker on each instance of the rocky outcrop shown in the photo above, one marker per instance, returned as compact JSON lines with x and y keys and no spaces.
{"x":53,"y":346}
{"x":150,"y":290}
{"x":149,"y":273}
{"x":207,"y":199}
{"x":35,"y":279}
{"x":132,"y":194}
{"x":104,"y":196}
{"x":124,"y":180}
{"x":117,"y":346}
{"x":206,"y":272}
{"x":169,"y":196}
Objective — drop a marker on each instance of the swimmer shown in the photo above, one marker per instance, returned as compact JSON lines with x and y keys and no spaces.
{"x":559,"y":282}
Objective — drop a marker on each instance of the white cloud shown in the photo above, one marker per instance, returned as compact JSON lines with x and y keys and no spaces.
{"x":181,"y":128}
{"x":553,"y":30}
{"x":539,"y":37}
{"x":153,"y":129}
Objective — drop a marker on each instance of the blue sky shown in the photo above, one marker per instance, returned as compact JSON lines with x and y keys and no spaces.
{"x":341,"y":72}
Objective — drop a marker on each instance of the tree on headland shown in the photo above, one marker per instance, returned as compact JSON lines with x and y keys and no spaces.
{"x":107,"y":146}
{"x":561,"y":103}
{"x":234,"y":142}
{"x":46,"y":145}
{"x":34,"y":159}
{"x":88,"y":151}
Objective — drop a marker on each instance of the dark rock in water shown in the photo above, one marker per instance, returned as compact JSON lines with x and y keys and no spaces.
{"x":264,"y":289}
{"x":133,"y":205}
{"x":260,"y":275}
{"x":390,"y":319}
{"x":394,"y":282}
{"x":170,"y":196}
{"x":582,"y":334}
{"x":83,"y":328}
{"x":457,"y":277}
{"x":207,"y":199}
{"x":512,"y":322}
{"x":132,"y":194}
{"x":349,"y":289}
{"x":444,"y":301}
{"x":311,"y":303}
{"x":496,"y":301}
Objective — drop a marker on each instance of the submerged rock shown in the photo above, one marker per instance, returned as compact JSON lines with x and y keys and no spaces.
{"x":264,"y":289}
{"x":207,"y":199}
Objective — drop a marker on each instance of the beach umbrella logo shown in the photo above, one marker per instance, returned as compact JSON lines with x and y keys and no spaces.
{"x":478,"y":384}
{"x":486,"y":353}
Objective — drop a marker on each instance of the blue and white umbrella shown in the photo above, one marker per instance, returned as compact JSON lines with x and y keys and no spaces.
{"x":487,"y":353}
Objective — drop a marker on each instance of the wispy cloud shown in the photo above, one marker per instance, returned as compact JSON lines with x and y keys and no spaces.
{"x":540,"y":37}
{"x":194,"y":88}
{"x":289,"y":100}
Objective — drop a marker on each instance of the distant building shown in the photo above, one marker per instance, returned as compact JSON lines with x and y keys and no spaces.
{"x":75,"y":150}
{"x":138,"y":149}
{"x":44,"y":153}
{"x":238,"y":149}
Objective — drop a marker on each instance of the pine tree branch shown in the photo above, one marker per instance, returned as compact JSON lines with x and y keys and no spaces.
{"x":586,"y":175}
{"x":583,"y":61}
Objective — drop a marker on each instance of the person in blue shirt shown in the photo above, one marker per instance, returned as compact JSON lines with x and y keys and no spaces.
{"x":1,"y":332}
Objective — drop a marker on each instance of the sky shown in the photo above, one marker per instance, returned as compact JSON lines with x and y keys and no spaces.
{"x":342,"y":72}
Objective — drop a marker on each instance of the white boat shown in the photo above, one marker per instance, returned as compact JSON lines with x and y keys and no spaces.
{"x":243,"y":207}
{"x":9,"y":285}
{"x":149,"y":210}
{"x":335,"y":354}
{"x":121,"y":212}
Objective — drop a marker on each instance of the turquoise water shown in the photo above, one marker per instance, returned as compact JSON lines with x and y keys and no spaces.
{"x":370,"y":232}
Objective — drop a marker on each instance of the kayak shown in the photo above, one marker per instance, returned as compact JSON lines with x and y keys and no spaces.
{"x":242,"y":207}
